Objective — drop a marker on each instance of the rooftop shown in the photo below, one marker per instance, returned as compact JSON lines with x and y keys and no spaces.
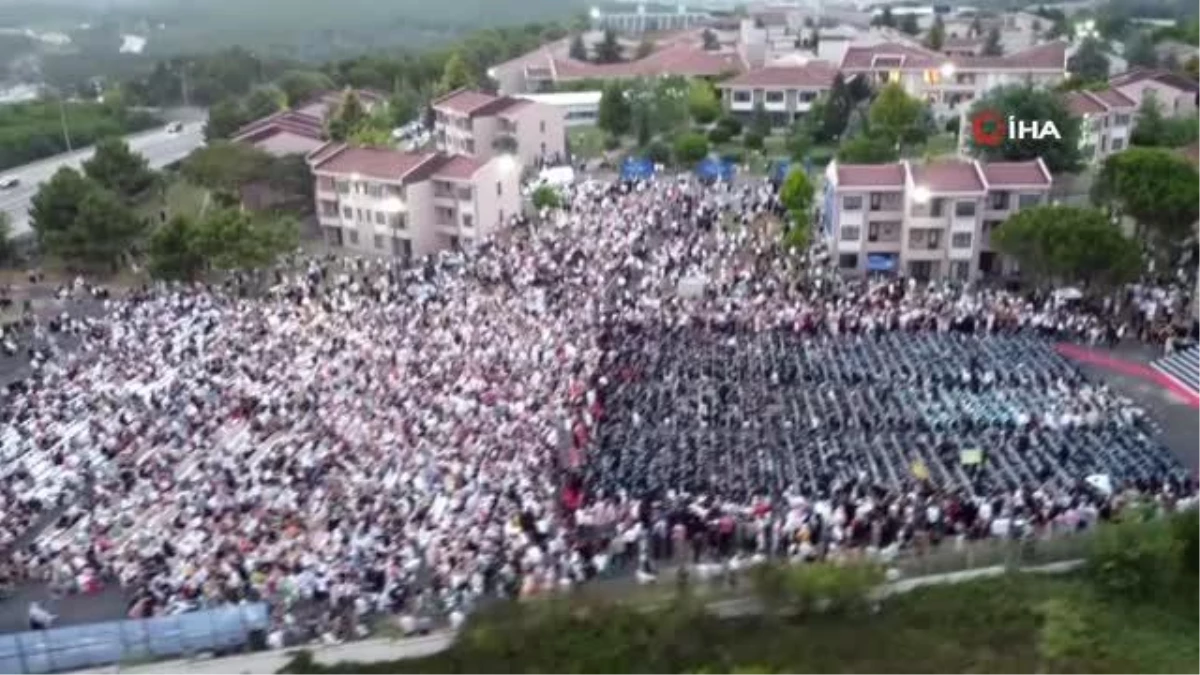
{"x":870,"y":175}
{"x":459,"y":167}
{"x":391,"y":165}
{"x":952,"y":176}
{"x":813,"y":75}
{"x":1016,"y":174}
{"x":894,"y":55}
{"x":1161,"y":76}
{"x":464,"y":101}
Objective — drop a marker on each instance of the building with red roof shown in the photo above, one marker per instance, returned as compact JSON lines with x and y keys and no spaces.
{"x":385,"y":202}
{"x":478,"y":124}
{"x":1177,"y":95}
{"x":301,"y":130}
{"x":1106,"y":121}
{"x":785,"y":92}
{"x":931,"y":220}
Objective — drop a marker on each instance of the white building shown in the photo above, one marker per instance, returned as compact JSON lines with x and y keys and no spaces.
{"x":581,"y":108}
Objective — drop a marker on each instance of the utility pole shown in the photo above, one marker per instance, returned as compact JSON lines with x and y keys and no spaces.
{"x":62,"y":117}
{"x":183,"y":83}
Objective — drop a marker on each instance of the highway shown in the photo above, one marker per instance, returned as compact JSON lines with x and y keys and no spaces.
{"x":158,"y":145}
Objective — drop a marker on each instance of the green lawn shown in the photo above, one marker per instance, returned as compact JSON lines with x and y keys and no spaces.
{"x":586,"y":142}
{"x":179,"y":198}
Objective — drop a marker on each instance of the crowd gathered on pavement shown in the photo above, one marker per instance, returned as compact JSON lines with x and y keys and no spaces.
{"x":642,"y":376}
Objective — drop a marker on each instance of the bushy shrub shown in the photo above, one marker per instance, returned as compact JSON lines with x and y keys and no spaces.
{"x":752,"y":140}
{"x":719,"y":134}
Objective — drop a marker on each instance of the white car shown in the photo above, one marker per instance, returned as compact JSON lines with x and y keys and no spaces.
{"x":9,"y":182}
{"x":174,"y":127}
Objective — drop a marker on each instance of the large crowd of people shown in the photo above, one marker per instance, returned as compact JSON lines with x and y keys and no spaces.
{"x":542,"y":408}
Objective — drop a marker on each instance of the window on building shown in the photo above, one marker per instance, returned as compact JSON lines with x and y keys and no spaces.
{"x":851,"y":233}
{"x":397,"y":221}
{"x":402,"y":248}
{"x":375,"y":190}
{"x":741,"y":96}
{"x":468,"y":220}
{"x":852,"y":203}
{"x":808,"y":96}
{"x":876,"y":201}
{"x":1117,"y":144}
{"x":343,"y":187}
{"x":499,"y":189}
{"x":998,"y":201}
{"x":964,"y":209}
{"x":379,"y":242}
{"x":454,"y":242}
{"x":1122,"y":121}
{"x":960,"y":240}
{"x":848,"y":261}
{"x":774,"y":97}
{"x":347,"y":213}
{"x":937,"y":207}
{"x":960,"y":270}
{"x":1028,"y":201}
{"x":329,"y":208}
{"x":353,"y":237}
{"x":542,"y":126}
{"x":934,"y":239}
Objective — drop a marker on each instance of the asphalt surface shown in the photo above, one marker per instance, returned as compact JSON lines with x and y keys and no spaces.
{"x":159,"y":146}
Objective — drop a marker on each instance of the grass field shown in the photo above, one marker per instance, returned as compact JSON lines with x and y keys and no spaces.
{"x":180,"y":198}
{"x":586,"y":142}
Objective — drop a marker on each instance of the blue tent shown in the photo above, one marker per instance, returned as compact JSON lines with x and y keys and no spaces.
{"x":715,"y":169}
{"x":637,"y":168}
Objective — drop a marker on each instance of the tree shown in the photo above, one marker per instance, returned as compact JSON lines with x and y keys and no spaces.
{"x":172,"y":252}
{"x":992,"y":46}
{"x":301,"y":86}
{"x":609,"y":49}
{"x":897,"y":116}
{"x":546,"y":197}
{"x":578,"y":50}
{"x":1154,"y":130}
{"x":760,"y":122}
{"x":868,"y":149}
{"x":404,"y":106}
{"x":752,"y":140}
{"x":114,"y":167}
{"x":690,"y":148}
{"x":644,"y":132}
{"x":1158,"y":189}
{"x":937,"y":35}
{"x":884,"y":19}
{"x":703,"y":103}
{"x":8,"y":249}
{"x":645,"y":48}
{"x":224,"y":118}
{"x":456,"y":74}
{"x":711,"y":43}
{"x":615,"y":115}
{"x":732,"y":125}
{"x":1192,"y":67}
{"x":348,"y":117}
{"x":224,"y":166}
{"x":1139,"y":51}
{"x":832,"y":112}
{"x":232,"y":239}
{"x":909,"y":24}
{"x":796,"y":196}
{"x":1069,"y":245}
{"x":80,"y":222}
{"x":1024,"y":102}
{"x":370,"y":136}
{"x":1089,"y":63}
{"x":264,"y":101}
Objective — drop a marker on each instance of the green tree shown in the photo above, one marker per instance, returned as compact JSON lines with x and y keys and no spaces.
{"x":404,"y":106}
{"x":908,"y":24}
{"x":992,"y":45}
{"x":833,"y":112}
{"x":8,"y":249}
{"x":711,"y":43}
{"x":370,"y":136}
{"x":349,"y":116}
{"x":645,"y":48}
{"x":1192,"y":67}
{"x":644,"y":133}
{"x":753,"y":140}
{"x":1139,"y":51}
{"x":232,"y":239}
{"x":690,"y":147}
{"x":897,"y":116}
{"x":868,"y":149}
{"x":609,"y":49}
{"x":301,"y":86}
{"x":264,"y":101}
{"x":115,"y":167}
{"x":1150,"y":128}
{"x":1159,"y":190}
{"x":578,"y":50}
{"x":760,"y":121}
{"x":55,"y":207}
{"x":796,"y":196}
{"x":1025,"y":102}
{"x":1089,"y":63}
{"x":225,"y":166}
{"x":1132,"y":560}
{"x":173,"y":252}
{"x":937,"y":35}
{"x":1069,"y":245}
{"x":81,"y":223}
{"x":615,"y":114}
{"x":546,"y":197}
{"x":703,"y":103}
{"x":456,"y":74}
{"x":224,"y":118}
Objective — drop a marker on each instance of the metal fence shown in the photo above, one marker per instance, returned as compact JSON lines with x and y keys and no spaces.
{"x":223,"y":629}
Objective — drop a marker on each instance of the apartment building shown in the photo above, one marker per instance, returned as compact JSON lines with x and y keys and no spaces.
{"x":785,"y":92}
{"x":948,"y":82}
{"x":477,"y":124}
{"x":301,"y":130}
{"x":402,"y":204}
{"x":1177,"y":96}
{"x":926,"y":221}
{"x":1106,"y":121}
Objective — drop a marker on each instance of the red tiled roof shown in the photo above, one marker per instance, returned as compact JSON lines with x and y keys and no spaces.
{"x":947,"y":176}
{"x":813,"y":75}
{"x":1161,"y":76}
{"x":289,"y":120}
{"x":1114,"y":99}
{"x":459,"y":167}
{"x":464,"y":101}
{"x":379,"y":163}
{"x":895,"y":56}
{"x":1015,"y":174}
{"x":679,"y":59}
{"x":502,"y":106}
{"x":1082,"y":103}
{"x":870,"y":175}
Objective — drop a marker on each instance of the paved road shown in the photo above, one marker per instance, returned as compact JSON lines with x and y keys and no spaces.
{"x":159,"y":146}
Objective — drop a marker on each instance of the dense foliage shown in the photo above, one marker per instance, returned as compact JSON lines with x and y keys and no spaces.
{"x":1025,"y":102}
{"x":32,"y":131}
{"x":1069,"y":245}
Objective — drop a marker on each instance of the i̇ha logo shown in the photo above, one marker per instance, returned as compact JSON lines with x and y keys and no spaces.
{"x":989,"y":128}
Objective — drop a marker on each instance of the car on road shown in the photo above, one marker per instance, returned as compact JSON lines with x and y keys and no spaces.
{"x":174,"y":127}
{"x":9,"y":182}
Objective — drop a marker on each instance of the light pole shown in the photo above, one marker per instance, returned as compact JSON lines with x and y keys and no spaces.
{"x":62,"y":118}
